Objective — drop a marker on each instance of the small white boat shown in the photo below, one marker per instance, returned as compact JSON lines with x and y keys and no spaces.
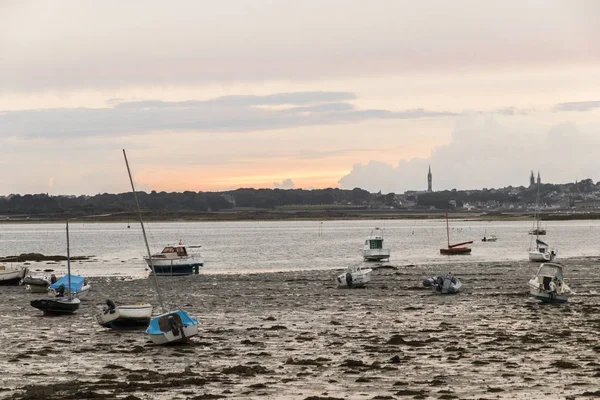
{"x":548,"y":284}
{"x":542,"y":252}
{"x":355,"y":276}
{"x":79,"y":286}
{"x":176,"y":260}
{"x":447,"y":284}
{"x":172,"y":327}
{"x":373,"y":249}
{"x":38,"y":284}
{"x":125,"y":317}
{"x":12,"y":275}
{"x":489,"y":238}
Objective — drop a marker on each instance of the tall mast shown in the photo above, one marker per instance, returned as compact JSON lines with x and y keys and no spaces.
{"x":69,"y":262}
{"x":144,"y":232}
{"x":447,"y":230}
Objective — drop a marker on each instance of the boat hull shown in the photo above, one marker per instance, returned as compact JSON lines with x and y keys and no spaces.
{"x":36,"y":288}
{"x":62,"y":305}
{"x":11,"y":276}
{"x":82,"y":293}
{"x":175,"y":266}
{"x":172,"y":327}
{"x":546,"y":296}
{"x":127,"y":317}
{"x":540,"y":257}
{"x":370,"y":255}
{"x":176,"y":270}
{"x":453,"y":251}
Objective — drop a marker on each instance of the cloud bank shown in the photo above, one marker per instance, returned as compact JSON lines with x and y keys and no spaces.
{"x":222,"y":114}
{"x":489,"y":151}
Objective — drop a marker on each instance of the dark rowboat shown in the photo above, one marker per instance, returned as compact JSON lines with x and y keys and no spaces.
{"x":59,"y":305}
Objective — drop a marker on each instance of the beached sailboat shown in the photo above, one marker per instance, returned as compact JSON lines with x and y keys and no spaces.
{"x":373,"y":249}
{"x":548,"y":284}
{"x":455,"y":249}
{"x":125,"y":317}
{"x":539,"y":251}
{"x":172,"y":326}
{"x":355,"y":276}
{"x":62,"y":303}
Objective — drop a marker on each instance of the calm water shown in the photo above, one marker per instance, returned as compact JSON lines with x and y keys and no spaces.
{"x":251,"y":246}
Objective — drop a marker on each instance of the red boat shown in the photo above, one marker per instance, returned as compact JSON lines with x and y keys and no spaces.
{"x":455,"y":249}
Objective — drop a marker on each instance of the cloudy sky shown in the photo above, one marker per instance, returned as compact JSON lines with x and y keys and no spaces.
{"x":216,"y":95}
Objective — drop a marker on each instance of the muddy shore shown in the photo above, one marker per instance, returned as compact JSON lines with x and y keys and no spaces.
{"x":294,"y":335}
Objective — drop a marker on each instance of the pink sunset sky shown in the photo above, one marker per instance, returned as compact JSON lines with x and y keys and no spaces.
{"x":217,"y":95}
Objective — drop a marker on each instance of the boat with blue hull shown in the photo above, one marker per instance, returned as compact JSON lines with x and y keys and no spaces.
{"x":176,"y":260}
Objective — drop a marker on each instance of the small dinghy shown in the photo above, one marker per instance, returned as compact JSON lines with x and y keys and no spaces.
{"x":548,"y":284}
{"x":38,"y":284}
{"x":61,"y":303}
{"x":126,"y":317}
{"x":448,"y":284}
{"x":355,"y":277}
{"x":172,"y":327}
{"x":78,"y":287}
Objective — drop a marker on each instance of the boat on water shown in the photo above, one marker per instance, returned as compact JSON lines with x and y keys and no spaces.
{"x":542,"y":252}
{"x":548,"y":284}
{"x":12,"y":275}
{"x":373,"y":249}
{"x":75,"y":285}
{"x":539,"y":251}
{"x":175,"y":261}
{"x":125,"y":317}
{"x":355,"y":276}
{"x":447,"y":284}
{"x":62,"y":303}
{"x":38,"y":284}
{"x":172,"y":326}
{"x":537,"y":231}
{"x":489,"y":238}
{"x":455,"y":249}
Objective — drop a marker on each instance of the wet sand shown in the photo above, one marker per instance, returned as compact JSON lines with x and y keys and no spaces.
{"x":294,"y":335}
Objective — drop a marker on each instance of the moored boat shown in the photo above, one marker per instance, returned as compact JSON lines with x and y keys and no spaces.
{"x":489,"y":238}
{"x":38,"y":284}
{"x":176,"y":260}
{"x":455,"y":249}
{"x":542,"y":252}
{"x":355,"y":276}
{"x":373,"y":249}
{"x":78,"y":286}
{"x":125,"y":317}
{"x":12,"y":275}
{"x":548,"y":284}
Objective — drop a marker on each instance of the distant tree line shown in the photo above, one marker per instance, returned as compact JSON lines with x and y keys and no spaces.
{"x":36,"y":204}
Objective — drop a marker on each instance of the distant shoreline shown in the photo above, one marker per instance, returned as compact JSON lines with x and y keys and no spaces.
{"x":301,"y":215}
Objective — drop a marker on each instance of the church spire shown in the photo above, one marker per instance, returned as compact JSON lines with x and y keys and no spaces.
{"x":429,"y":179}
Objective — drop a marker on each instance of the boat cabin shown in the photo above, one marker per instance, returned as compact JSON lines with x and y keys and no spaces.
{"x":548,"y":273}
{"x":376,"y":243}
{"x":180,"y":250}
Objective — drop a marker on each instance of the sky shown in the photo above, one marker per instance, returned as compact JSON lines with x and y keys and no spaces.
{"x":218,"y":95}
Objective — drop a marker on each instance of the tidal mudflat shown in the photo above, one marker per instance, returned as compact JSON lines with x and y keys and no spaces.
{"x":294,"y":335}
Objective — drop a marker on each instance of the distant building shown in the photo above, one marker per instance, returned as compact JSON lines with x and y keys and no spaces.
{"x":429,"y":180}
{"x":539,"y":180}
{"x":531,"y":179}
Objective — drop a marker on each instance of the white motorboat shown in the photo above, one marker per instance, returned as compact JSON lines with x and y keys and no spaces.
{"x":373,"y":249}
{"x":38,"y":284}
{"x":548,"y":284}
{"x":135,"y":316}
{"x":176,"y":260}
{"x":542,"y":252}
{"x":354,"y":277}
{"x":12,"y":275}
{"x":447,"y":284}
{"x":489,"y":238}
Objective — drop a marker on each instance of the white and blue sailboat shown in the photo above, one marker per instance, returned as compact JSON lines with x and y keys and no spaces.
{"x":172,"y":326}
